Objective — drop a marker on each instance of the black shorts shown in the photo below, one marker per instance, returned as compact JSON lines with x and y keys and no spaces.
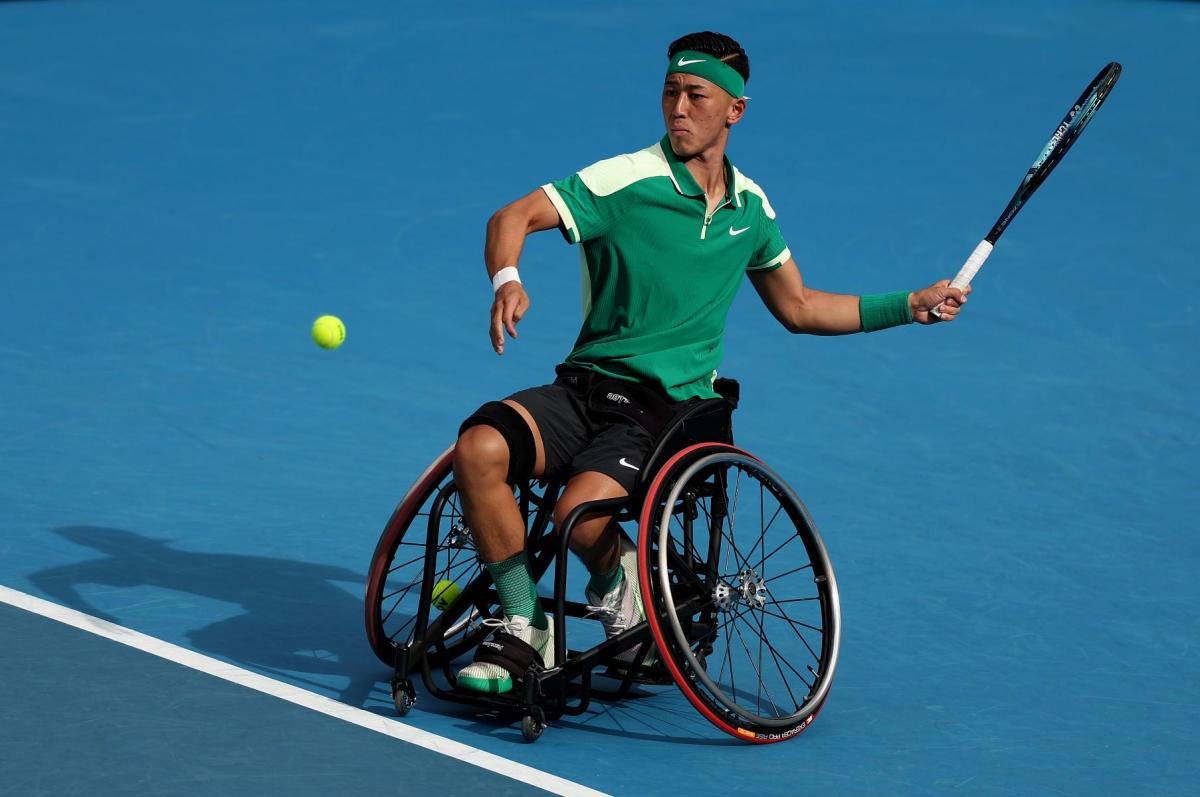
{"x":591,"y":423}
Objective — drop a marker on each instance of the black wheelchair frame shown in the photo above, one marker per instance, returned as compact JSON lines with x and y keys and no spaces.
{"x":684,"y":574}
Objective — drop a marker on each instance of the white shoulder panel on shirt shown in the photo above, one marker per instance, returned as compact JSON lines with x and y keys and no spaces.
{"x":749,"y":185}
{"x":611,"y":175}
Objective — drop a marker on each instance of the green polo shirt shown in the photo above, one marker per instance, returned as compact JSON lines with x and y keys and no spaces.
{"x":660,"y":273}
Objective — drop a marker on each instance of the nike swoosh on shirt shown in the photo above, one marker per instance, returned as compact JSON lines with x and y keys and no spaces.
{"x":626,"y":464}
{"x":737,"y":232}
{"x":682,"y":62}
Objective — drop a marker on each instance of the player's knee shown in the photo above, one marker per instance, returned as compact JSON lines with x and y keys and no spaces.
{"x":563,"y":507}
{"x":495,"y":440}
{"x":567,"y":503}
{"x":479,"y":453}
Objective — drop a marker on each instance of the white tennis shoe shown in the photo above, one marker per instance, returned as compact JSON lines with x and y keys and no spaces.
{"x":621,"y":609}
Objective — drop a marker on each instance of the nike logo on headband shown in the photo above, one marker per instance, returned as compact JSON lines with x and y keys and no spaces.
{"x":682,"y":62}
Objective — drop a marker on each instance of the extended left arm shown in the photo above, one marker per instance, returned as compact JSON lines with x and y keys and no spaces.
{"x":804,"y":310}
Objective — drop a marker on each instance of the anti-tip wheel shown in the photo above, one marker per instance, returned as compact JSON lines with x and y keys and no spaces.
{"x":532,"y":725}
{"x":403,"y":697}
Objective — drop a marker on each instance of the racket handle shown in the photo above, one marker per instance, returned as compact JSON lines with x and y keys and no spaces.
{"x":968,"y":270}
{"x":972,"y":266}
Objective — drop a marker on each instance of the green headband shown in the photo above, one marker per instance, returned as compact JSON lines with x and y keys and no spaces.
{"x":710,"y":68}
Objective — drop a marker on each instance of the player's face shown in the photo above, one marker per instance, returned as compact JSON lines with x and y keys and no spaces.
{"x":697,"y":113}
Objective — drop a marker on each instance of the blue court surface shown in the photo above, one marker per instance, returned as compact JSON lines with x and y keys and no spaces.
{"x":1010,"y":501}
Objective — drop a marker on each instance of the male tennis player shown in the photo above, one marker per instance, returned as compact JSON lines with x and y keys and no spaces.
{"x":667,"y":234}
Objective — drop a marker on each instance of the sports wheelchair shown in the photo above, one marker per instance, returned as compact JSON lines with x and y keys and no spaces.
{"x":745,"y":622}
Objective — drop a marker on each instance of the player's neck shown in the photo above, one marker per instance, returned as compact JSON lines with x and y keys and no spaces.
{"x":708,"y":168}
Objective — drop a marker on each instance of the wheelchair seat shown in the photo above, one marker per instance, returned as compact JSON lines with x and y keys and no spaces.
{"x":699,"y":421}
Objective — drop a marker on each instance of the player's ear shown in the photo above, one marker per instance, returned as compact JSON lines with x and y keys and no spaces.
{"x":737,"y":109}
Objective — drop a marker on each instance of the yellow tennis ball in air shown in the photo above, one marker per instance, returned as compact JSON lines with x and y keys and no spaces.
{"x":444,"y":593}
{"x":329,"y":332}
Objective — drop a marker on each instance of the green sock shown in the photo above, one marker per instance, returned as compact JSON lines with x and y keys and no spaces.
{"x":518,"y":593}
{"x":604,"y":583}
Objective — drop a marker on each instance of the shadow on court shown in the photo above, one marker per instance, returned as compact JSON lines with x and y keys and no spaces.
{"x":296,"y":622}
{"x":298,"y":625}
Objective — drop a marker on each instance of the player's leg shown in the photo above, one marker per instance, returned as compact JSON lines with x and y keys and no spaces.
{"x":498,"y":446}
{"x":501,"y":444}
{"x":595,"y":540}
{"x":608,"y":468}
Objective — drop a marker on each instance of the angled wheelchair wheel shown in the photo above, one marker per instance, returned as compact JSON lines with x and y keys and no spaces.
{"x":740,"y":595}
{"x":425,"y":542}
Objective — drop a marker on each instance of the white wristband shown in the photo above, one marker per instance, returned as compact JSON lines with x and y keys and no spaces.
{"x":506,"y":274}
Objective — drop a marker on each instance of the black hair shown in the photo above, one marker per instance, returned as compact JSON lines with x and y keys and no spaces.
{"x":715,"y":44}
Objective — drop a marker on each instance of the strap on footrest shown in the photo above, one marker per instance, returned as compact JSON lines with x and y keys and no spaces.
{"x":510,"y":652}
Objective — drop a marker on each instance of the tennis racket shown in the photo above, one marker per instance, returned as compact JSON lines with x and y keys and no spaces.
{"x":1064,"y":136}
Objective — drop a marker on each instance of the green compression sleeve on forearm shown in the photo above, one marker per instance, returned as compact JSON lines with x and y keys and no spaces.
{"x":882,"y":310}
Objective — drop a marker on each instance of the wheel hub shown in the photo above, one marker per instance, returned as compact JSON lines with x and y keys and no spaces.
{"x":748,"y":588}
{"x":751,"y":588}
{"x":724,"y":596}
{"x":459,"y":536}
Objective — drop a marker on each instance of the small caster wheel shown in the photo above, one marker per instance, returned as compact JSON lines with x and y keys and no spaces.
{"x":532,"y":725}
{"x":403,"y":697}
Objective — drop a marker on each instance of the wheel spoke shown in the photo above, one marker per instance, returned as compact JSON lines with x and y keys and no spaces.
{"x":781,"y":545}
{"x":401,"y":590}
{"x":729,"y":652}
{"x":788,"y":573}
{"x":414,"y":560}
{"x":739,"y":560}
{"x":795,"y":623}
{"x":737,"y":491}
{"x":782,"y":615}
{"x":724,"y":661}
{"x":731,"y":518}
{"x":758,"y":673}
{"x":775,"y":655}
{"x":463,"y":567}
{"x":763,"y":536}
{"x":454,"y":557}
{"x":403,"y":626}
{"x":760,"y":648}
{"x":391,"y":611}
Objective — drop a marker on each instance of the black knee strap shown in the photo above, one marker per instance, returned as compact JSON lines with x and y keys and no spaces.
{"x":510,"y":652}
{"x":522,"y":451}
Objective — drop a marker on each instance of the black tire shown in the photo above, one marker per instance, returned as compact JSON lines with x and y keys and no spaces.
{"x":533,"y":724}
{"x":403,"y":697}
{"x":724,"y":586}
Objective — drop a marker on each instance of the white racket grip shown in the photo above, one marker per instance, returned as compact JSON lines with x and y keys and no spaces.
{"x":972,"y":266}
{"x":968,"y":270}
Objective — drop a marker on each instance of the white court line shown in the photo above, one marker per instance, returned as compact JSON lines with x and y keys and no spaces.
{"x":296,"y":695}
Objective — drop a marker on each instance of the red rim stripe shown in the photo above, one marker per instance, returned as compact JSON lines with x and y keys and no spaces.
{"x":399,"y":520}
{"x":644,"y":526}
